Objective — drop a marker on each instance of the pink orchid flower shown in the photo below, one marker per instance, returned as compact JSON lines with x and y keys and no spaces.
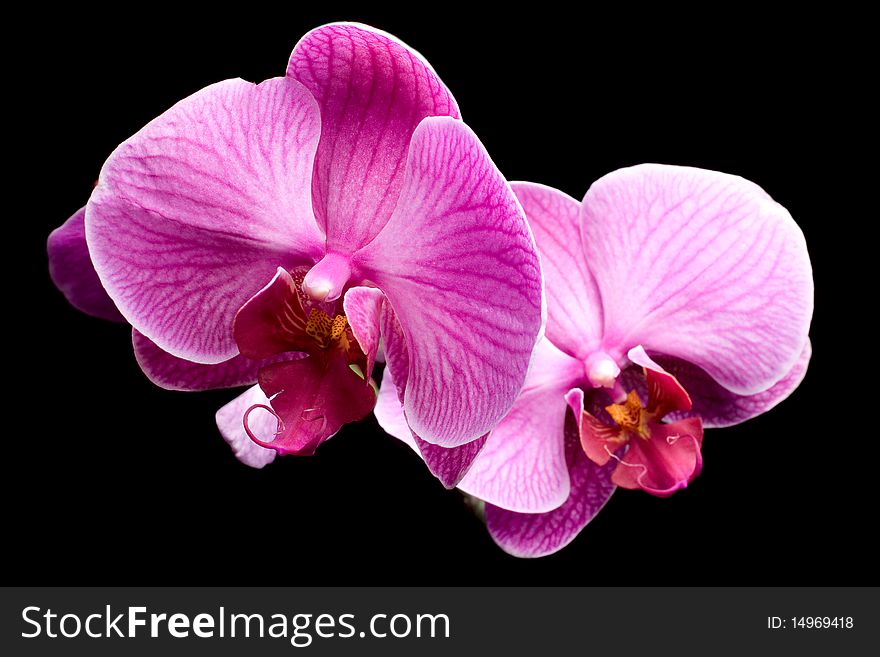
{"x":673,"y":294}
{"x":273,"y":232}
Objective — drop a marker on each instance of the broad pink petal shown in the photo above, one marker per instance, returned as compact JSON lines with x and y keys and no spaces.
{"x":173,"y":373}
{"x":666,"y":462}
{"x":717,"y":406}
{"x":194,"y":213}
{"x":231,"y":425}
{"x":574,"y":308}
{"x":71,"y":269}
{"x":373,"y":91}
{"x":312,"y":398}
{"x":702,"y":266}
{"x":523,"y":466}
{"x":363,"y":308}
{"x":540,"y":534}
{"x":458,"y":265}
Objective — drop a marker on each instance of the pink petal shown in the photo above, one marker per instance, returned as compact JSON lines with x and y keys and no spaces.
{"x":450,"y":464}
{"x":717,"y":406}
{"x":373,"y":91}
{"x":395,"y":350}
{"x":70,"y":267}
{"x":458,"y":264}
{"x":702,"y":266}
{"x":194,"y":213}
{"x":363,"y":308}
{"x":523,"y":466}
{"x":231,"y":425}
{"x":312,"y":398}
{"x":173,"y":373}
{"x":540,"y":534}
{"x":574,"y":309}
{"x":664,"y":463}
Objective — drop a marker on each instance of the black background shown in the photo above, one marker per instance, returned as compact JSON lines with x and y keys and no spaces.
{"x":112,"y":480}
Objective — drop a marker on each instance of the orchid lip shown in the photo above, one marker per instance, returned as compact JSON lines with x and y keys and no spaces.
{"x":327,"y":279}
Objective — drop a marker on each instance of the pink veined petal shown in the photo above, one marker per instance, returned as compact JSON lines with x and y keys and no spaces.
{"x":363,"y":308}
{"x":372,"y":90}
{"x":71,"y":269}
{"x":574,"y":308}
{"x":458,"y":265}
{"x":540,"y":534}
{"x":523,"y":466}
{"x":717,"y":406}
{"x":448,"y":464}
{"x":666,"y":462}
{"x":194,"y":213}
{"x":173,"y":373}
{"x":312,"y":398}
{"x":699,"y":265}
{"x":231,"y":426}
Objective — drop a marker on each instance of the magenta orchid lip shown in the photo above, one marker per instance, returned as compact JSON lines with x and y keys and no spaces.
{"x":539,"y":352}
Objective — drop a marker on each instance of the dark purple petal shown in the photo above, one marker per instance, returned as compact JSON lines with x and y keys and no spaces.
{"x":71,"y":269}
{"x":174,"y":373}
{"x":717,"y":406}
{"x":449,"y":464}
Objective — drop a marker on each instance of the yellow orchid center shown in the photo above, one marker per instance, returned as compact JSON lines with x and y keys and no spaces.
{"x":326,"y":331}
{"x":631,"y":416}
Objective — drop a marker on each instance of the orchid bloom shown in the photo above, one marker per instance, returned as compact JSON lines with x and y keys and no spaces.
{"x":673,"y":294}
{"x":273,"y":232}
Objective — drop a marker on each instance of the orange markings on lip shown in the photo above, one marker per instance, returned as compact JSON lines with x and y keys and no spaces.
{"x":323,"y":330}
{"x":631,"y":416}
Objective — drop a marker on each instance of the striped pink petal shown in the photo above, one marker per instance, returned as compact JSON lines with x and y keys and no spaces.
{"x":194,"y":213}
{"x":702,"y":266}
{"x":372,"y":91}
{"x":574,"y":308}
{"x":540,"y":534}
{"x":523,"y":466}
{"x":458,"y":265}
